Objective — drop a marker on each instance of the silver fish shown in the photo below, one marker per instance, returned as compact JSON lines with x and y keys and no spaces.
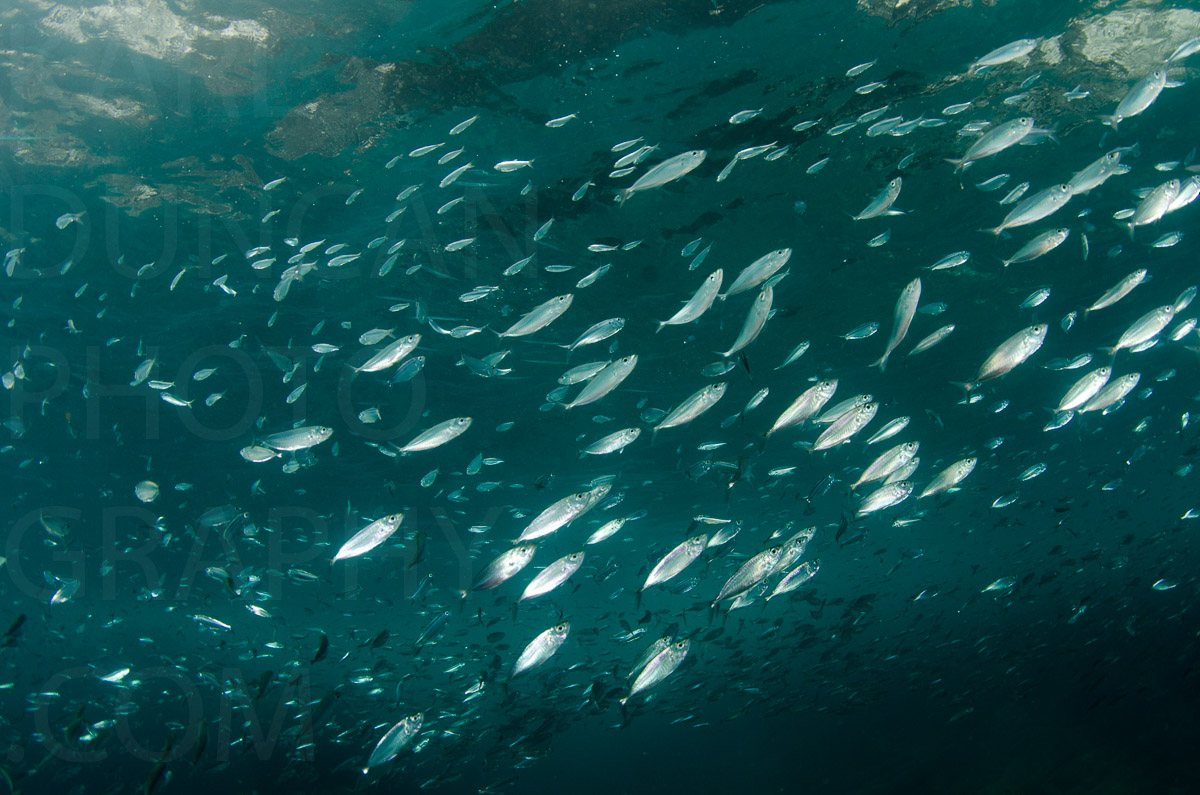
{"x":932,"y":339}
{"x":390,"y":354}
{"x":552,"y":576}
{"x":541,"y":648}
{"x":369,"y":537}
{"x":1035,"y":208}
{"x":1094,"y":174}
{"x":598,"y":332}
{"x":1118,"y":290}
{"x":950,"y":477}
{"x":1002,"y":55}
{"x":504,"y":567}
{"x":652,"y":651}
{"x":604,"y":381}
{"x":906,"y":309}
{"x":539,"y":317}
{"x":1040,"y":245}
{"x":759,"y":271}
{"x":1084,"y":389}
{"x":613,"y":443}
{"x":749,"y":575}
{"x":563,"y":512}
{"x":795,"y":578}
{"x":1111,"y":394}
{"x":300,"y":438}
{"x":395,"y":740}
{"x":811,"y":401}
{"x":693,"y":407}
{"x":437,"y":436}
{"x":1155,"y":205}
{"x":1145,"y":328}
{"x":882,"y":203}
{"x":885,"y":497}
{"x":756,"y":318}
{"x":676,"y":561}
{"x":846,"y":426}
{"x":891,"y":429}
{"x":1012,"y":352}
{"x":699,"y":303}
{"x":659,"y":668}
{"x":995,"y":141}
{"x":669,"y":170}
{"x":1140,"y":97}
{"x":887,"y":463}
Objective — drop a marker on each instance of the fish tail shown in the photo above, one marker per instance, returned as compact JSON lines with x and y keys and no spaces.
{"x":1111,"y":121}
{"x":661,"y":324}
{"x":621,"y":196}
{"x":960,"y":164}
{"x":881,"y":362}
{"x":637,"y":595}
{"x":1110,"y":352}
{"x":966,"y":386}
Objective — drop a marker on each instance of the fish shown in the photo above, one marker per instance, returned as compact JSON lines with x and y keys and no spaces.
{"x":1012,"y":352}
{"x":995,"y":141}
{"x":504,"y":567}
{"x":1035,"y":208}
{"x":931,"y":340}
{"x":1118,"y":290}
{"x":759,"y":271}
{"x":806,"y":406}
{"x":749,"y":574}
{"x":846,"y":426}
{"x":563,"y":512}
{"x":906,"y":309}
{"x":613,"y":443}
{"x":394,"y":741}
{"x":693,"y":406}
{"x":671,"y":169}
{"x":887,"y":463}
{"x":436,"y":436}
{"x":369,"y":537}
{"x":1002,"y":55}
{"x":552,"y":576}
{"x":1084,"y":389}
{"x":541,"y":649}
{"x":950,"y":477}
{"x":598,"y":332}
{"x":1039,"y":246}
{"x":1112,"y":393}
{"x":390,"y":354}
{"x":674,"y":562}
{"x":756,"y":318}
{"x":539,"y":317}
{"x":1096,"y":173}
{"x":882,"y":203}
{"x":661,"y":666}
{"x":1138,"y":98}
{"x":1145,"y":328}
{"x":884,"y":497}
{"x":1154,"y":206}
{"x":605,"y":381}
{"x":698,"y":304}
{"x":302,"y":438}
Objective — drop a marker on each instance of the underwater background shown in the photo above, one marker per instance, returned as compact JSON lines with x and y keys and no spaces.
{"x":216,"y":213}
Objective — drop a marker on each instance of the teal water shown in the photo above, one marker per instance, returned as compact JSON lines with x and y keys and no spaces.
{"x":1008,"y":636}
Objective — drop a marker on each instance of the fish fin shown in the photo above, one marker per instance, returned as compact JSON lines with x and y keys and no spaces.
{"x":638,"y":598}
{"x":1174,"y":84}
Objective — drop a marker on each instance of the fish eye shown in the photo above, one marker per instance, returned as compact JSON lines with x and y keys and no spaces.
{"x":682,"y":644}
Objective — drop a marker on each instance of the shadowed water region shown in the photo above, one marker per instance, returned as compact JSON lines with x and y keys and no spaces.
{"x":598,"y":397}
